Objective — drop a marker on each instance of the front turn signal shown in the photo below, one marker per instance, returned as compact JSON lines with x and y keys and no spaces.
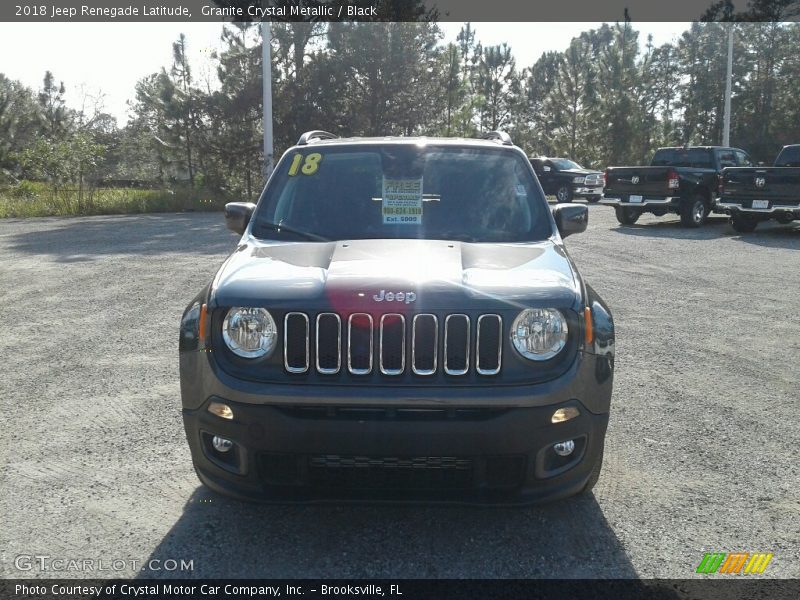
{"x":201,"y":334}
{"x":588,"y":324}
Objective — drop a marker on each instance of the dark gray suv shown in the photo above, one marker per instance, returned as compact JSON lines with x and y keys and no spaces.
{"x":400,"y":320}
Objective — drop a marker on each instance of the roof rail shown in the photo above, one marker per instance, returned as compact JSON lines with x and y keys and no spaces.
{"x":500,"y":136}
{"x":316,"y":134}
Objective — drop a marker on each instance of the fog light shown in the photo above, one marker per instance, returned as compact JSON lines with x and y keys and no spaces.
{"x":221,"y":410}
{"x":222,"y":444}
{"x":564,"y":414}
{"x":561,"y":448}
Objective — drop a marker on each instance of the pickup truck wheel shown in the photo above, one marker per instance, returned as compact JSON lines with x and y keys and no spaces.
{"x":626,"y":216}
{"x":564,"y":194}
{"x":693,"y":211}
{"x":595,"y":474}
{"x":593,"y":199}
{"x":743,"y":223}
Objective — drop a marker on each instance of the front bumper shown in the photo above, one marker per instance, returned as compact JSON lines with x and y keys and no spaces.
{"x":487,"y":445}
{"x":502,"y":457}
{"x":584,"y":191}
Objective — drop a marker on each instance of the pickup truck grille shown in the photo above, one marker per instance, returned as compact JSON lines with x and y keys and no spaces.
{"x":593,"y":179}
{"x":392,"y":343}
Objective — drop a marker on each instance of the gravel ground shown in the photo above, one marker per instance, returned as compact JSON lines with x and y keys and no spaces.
{"x":701,"y":453}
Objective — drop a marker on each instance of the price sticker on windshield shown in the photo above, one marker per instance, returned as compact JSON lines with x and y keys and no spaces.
{"x":402,"y":201}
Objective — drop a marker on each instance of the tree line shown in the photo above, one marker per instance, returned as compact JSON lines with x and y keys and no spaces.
{"x":606,"y":100}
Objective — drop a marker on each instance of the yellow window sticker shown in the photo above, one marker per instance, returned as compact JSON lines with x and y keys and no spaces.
{"x":402,"y":201}
{"x":308,"y":166}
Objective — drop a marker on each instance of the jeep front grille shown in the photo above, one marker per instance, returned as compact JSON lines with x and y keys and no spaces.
{"x":423,"y":344}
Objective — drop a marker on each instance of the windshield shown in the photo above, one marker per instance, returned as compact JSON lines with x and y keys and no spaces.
{"x":403,"y":191}
{"x":789,"y":157}
{"x":563,"y":164}
{"x":680,"y":157}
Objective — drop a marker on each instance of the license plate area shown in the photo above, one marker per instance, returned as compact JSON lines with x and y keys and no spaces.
{"x":760,"y":203}
{"x":635,"y":199}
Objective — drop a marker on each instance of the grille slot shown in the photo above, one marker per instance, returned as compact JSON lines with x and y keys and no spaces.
{"x":359,"y":343}
{"x":391,"y":472}
{"x":295,"y":342}
{"x":335,"y":461}
{"x":424,"y":344}
{"x":392,"y":345}
{"x":378,"y":413}
{"x":329,"y":343}
{"x":456,"y":345}
{"x":489,"y":345}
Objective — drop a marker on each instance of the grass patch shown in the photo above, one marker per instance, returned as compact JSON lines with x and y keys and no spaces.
{"x":35,"y":199}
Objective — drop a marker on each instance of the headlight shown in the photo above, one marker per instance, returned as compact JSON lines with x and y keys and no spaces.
{"x":539,"y":333}
{"x":249,"y":332}
{"x":578,"y":180}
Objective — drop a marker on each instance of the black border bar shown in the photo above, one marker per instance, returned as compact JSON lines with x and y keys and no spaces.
{"x":701,"y":587}
{"x":66,"y":11}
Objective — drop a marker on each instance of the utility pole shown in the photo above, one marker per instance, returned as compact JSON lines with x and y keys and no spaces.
{"x":266,"y":36}
{"x":726,"y":127}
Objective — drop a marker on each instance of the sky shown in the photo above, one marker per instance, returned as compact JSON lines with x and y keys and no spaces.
{"x":105,"y":60}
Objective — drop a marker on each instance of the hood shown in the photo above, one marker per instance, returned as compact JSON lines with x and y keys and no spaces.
{"x":389,"y":274}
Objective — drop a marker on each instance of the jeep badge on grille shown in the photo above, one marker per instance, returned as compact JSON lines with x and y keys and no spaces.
{"x":407,"y":297}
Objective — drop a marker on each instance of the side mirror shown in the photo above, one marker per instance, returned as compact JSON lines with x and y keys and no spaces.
{"x":237,"y":215}
{"x":571,"y":218}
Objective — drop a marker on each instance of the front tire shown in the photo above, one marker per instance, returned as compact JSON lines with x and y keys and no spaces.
{"x":626,"y":216}
{"x":694,"y":211}
{"x":743,"y":223}
{"x":564,"y":194}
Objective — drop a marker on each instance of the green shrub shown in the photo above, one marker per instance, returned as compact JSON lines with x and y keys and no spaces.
{"x":35,"y":199}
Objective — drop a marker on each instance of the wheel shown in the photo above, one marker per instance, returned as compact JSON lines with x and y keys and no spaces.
{"x":626,"y":216}
{"x":593,"y":199}
{"x":564,"y":193}
{"x":694,"y":211}
{"x":743,"y":223}
{"x":595,"y":474}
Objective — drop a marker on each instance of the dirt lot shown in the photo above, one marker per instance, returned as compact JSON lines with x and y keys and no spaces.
{"x":701,"y":454}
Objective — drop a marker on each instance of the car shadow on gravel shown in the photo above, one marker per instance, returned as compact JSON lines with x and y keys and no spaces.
{"x":227,"y":538}
{"x":84,"y":238}
{"x":715,"y":227}
{"x":773,"y":235}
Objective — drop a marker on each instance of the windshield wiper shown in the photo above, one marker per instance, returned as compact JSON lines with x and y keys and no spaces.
{"x":280,"y":227}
